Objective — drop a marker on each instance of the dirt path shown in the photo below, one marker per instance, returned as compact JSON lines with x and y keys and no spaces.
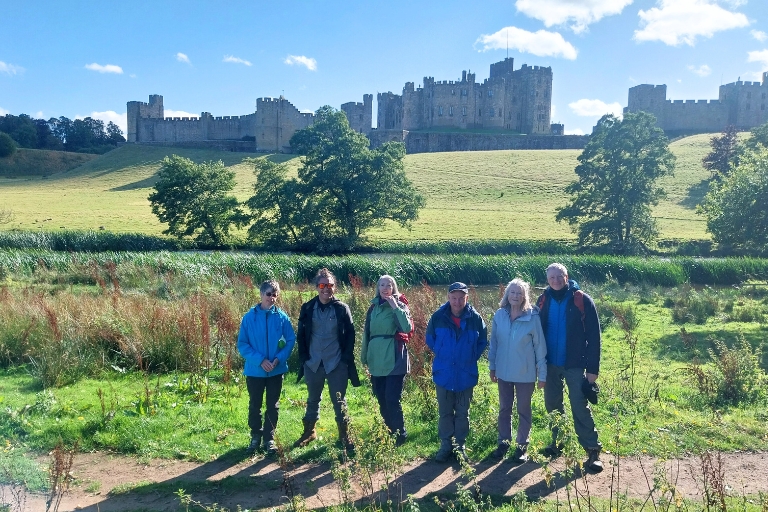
{"x":256,"y":483}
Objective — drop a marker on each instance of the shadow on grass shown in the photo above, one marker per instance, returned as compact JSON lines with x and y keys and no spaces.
{"x":145,"y":183}
{"x":687,"y":344}
{"x":695,"y":196}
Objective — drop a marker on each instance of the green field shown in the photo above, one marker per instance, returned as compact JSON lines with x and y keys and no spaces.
{"x":35,"y":162}
{"x":470,"y":195}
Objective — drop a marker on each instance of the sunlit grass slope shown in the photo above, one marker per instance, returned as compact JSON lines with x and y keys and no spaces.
{"x":484,"y":194}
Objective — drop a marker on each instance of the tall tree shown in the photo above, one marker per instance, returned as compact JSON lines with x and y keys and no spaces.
{"x":348,"y":187}
{"x":616,"y":184}
{"x":724,"y":154}
{"x":7,"y":145}
{"x":735,"y":209}
{"x":193,"y":199}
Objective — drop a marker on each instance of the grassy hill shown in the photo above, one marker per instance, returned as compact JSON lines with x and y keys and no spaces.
{"x":488,"y":194}
{"x":35,"y":162}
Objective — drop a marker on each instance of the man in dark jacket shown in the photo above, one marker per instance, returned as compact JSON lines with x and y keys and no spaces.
{"x":457,"y":335}
{"x":326,"y":341}
{"x":572,"y":330}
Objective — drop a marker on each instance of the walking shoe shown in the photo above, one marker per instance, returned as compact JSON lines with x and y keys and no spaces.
{"x":593,"y":462}
{"x":255,"y":442}
{"x":521,"y":454}
{"x":444,"y":453}
{"x":553,"y":450}
{"x":461,"y":453}
{"x":500,"y":451}
{"x":271,"y":448}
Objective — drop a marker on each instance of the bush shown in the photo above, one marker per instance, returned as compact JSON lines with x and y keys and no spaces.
{"x":735,"y":375}
{"x":693,"y":306}
{"x":7,"y":145}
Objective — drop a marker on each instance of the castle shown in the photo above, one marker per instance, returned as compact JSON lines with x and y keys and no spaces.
{"x":440,"y":116}
{"x":742,"y":104}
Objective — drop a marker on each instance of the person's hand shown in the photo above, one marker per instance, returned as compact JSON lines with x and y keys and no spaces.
{"x":275,"y":363}
{"x":591,"y":377}
{"x":493,"y":376}
{"x":542,"y":384}
{"x":392,"y":301}
{"x":267,"y":366}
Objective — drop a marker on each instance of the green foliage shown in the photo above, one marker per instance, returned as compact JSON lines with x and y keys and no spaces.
{"x":692,"y":306}
{"x":343,"y":189}
{"x":87,"y":241}
{"x":758,"y":137}
{"x":7,"y":145}
{"x":735,"y":209}
{"x":724,"y":154}
{"x":616,"y":186}
{"x":193,"y":200}
{"x":734,"y":376}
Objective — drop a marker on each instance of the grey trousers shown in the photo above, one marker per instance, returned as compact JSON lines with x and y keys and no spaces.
{"x":337,"y":387}
{"x":453,"y":409}
{"x":583,"y":422}
{"x":524,"y":414}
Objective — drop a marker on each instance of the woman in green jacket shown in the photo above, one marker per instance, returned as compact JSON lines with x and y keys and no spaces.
{"x":385,"y":352}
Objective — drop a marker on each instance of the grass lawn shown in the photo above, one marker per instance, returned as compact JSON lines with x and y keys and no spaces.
{"x":470,"y":195}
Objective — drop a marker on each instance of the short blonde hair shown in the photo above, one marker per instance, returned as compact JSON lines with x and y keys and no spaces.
{"x":525,"y":287}
{"x":395,"y":291}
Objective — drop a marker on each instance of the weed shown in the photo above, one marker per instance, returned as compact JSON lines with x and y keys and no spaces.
{"x":693,"y":306}
{"x":60,"y":475}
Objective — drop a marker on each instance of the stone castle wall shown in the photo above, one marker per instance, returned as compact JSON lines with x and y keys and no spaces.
{"x":360,"y":115}
{"x":434,"y":142}
{"x":742,"y":104}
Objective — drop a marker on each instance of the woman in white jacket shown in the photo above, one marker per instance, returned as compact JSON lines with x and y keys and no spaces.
{"x":517,"y":358}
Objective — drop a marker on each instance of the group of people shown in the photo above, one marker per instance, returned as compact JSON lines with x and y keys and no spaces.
{"x":552,"y":344}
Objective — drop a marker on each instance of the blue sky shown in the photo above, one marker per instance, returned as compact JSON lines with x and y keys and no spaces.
{"x":80,"y":58}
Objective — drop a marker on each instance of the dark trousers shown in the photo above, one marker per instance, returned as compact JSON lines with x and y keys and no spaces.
{"x":256,"y":388}
{"x":388,"y":391}
{"x":337,"y":388}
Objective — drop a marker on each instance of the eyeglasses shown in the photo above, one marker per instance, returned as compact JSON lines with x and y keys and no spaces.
{"x":272,"y":294}
{"x":322,"y":286}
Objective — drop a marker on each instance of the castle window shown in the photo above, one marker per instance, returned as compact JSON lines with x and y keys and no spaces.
{"x":491,"y":113}
{"x":500,"y":113}
{"x":480,"y":112}
{"x":490,"y":93}
{"x":464,"y":92}
{"x":439,"y":111}
{"x":453,"y":92}
{"x":450,"y":111}
{"x":463,"y":111}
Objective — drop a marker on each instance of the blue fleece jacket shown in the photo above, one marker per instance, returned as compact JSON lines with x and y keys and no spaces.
{"x":265,"y":334}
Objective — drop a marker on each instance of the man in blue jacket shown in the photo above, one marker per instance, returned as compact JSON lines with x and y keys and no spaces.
{"x":457,"y":336}
{"x":265,"y":341}
{"x":572,"y":330}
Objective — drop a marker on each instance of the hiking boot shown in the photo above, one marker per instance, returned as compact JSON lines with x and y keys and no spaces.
{"x":444,"y":453}
{"x":270,"y":447}
{"x":593,"y":462}
{"x":553,"y":451}
{"x":500,"y":451}
{"x":344,"y":437}
{"x":461,"y":453}
{"x":520,"y":455}
{"x":255,"y":442}
{"x":308,"y":435}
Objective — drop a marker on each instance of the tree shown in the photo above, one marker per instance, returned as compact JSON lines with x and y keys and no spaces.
{"x":114,"y":134}
{"x":193,"y":200}
{"x":735,"y":209}
{"x":616,"y":184}
{"x":343,"y":188}
{"x":724,"y":154}
{"x":7,"y":145}
{"x":758,"y":136}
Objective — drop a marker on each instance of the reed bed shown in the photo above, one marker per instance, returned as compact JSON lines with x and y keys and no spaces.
{"x":409,"y":269}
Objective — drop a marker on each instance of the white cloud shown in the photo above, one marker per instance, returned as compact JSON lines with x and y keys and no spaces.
{"x":577,"y":131}
{"x":120,"y":120}
{"x":541,"y":42}
{"x":752,"y":76}
{"x":178,"y":113}
{"x":595,"y":108}
{"x":108,"y":68}
{"x":682,"y":21}
{"x":758,"y":56}
{"x":4,"y":112}
{"x":182,"y":57}
{"x":38,"y":115}
{"x":759,"y":35}
{"x":580,"y":12}
{"x":236,"y":60}
{"x":301,"y":60}
{"x":10,"y":69}
{"x":702,"y":70}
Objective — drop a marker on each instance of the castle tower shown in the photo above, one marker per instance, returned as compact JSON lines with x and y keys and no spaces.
{"x":137,"y":110}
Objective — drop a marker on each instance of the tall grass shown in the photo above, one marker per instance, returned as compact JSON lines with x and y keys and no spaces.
{"x":408,"y":269}
{"x":90,"y":241}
